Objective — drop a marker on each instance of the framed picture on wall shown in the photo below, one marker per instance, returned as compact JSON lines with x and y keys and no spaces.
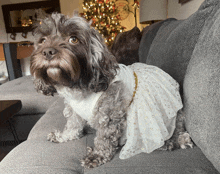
{"x":183,"y":1}
{"x":22,"y":16}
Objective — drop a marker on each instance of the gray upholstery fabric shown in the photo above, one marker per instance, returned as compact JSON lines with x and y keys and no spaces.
{"x":174,"y":43}
{"x":201,"y":90}
{"x":53,"y":119}
{"x":23,"y":89}
{"x":148,"y":35}
{"x":39,"y":156}
{"x":190,"y":161}
{"x":160,"y":162}
{"x":43,"y":157}
{"x":194,"y":42}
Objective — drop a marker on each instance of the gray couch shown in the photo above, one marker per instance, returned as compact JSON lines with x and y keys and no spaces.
{"x":38,"y":156}
{"x":171,"y":45}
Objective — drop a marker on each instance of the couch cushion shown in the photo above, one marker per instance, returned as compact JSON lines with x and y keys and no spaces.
{"x":39,"y":156}
{"x":179,"y":161}
{"x":23,"y":89}
{"x":148,"y":35}
{"x":174,"y":43}
{"x":189,"y":161}
{"x":44,"y":157}
{"x":53,"y":119}
{"x":201,"y":89}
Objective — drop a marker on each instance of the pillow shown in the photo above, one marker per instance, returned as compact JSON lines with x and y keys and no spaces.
{"x":126,"y":45}
{"x":202,"y":88}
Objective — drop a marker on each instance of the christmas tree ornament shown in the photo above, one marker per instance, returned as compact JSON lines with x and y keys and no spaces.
{"x":122,"y":8}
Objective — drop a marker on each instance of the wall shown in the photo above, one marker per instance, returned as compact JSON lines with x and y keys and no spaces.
{"x":129,"y":22}
{"x":178,"y":11}
{"x":68,"y":6}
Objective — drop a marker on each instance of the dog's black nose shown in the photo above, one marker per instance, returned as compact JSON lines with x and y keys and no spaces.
{"x":49,"y":52}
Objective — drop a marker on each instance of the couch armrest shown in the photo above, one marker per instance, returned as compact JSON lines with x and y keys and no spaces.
{"x":23,"y":89}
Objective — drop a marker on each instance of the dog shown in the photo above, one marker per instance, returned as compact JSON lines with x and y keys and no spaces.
{"x":71,"y":58}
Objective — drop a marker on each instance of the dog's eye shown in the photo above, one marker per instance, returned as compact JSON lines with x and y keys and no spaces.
{"x":42,"y":40}
{"x":73,"y":39}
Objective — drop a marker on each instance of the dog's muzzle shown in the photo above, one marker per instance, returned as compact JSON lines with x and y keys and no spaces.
{"x":49,"y":53}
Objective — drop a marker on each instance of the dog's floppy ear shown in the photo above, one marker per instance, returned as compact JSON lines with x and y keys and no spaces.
{"x":43,"y":88}
{"x":102,"y":63}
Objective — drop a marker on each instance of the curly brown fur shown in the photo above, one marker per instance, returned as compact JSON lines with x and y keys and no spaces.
{"x":110,"y":123}
{"x":44,"y":88}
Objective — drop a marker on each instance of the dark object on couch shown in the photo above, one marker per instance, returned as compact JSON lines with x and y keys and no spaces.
{"x":126,"y":45}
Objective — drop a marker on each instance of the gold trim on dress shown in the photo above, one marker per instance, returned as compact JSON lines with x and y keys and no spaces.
{"x":135,"y":89}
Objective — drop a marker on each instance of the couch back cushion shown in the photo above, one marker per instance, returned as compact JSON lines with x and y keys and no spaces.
{"x":148,"y":35}
{"x":174,"y":43}
{"x":201,"y":88}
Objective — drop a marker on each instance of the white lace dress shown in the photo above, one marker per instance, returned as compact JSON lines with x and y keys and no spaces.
{"x":152,"y":114}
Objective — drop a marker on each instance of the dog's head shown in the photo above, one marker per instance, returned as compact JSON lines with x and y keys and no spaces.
{"x":69,"y":52}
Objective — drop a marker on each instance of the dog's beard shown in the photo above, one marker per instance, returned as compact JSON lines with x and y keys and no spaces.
{"x":58,"y":76}
{"x":63,"y":69}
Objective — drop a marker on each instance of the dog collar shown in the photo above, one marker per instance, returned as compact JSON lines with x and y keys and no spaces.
{"x":135,"y":89}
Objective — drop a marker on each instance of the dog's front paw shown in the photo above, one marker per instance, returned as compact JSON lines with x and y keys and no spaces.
{"x":184,"y":140}
{"x":89,"y":162}
{"x":170,"y":146}
{"x":92,"y":160}
{"x":54,"y":137}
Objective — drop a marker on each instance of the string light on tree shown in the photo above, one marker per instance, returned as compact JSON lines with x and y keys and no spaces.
{"x":104,"y":16}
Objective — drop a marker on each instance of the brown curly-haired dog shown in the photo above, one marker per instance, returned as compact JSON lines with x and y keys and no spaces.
{"x":71,"y":58}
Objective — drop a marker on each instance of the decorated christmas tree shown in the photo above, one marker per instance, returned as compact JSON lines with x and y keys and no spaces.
{"x":105,"y":18}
